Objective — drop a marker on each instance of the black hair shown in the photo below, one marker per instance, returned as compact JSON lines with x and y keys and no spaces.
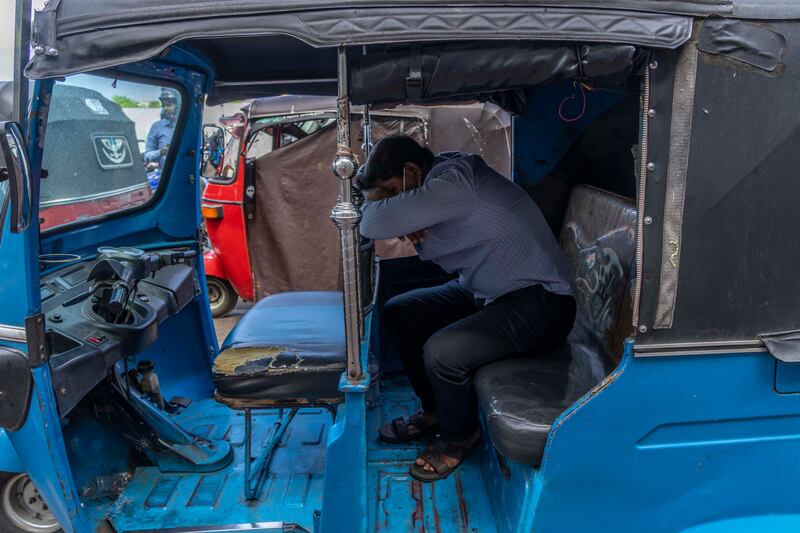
{"x":388,"y":157}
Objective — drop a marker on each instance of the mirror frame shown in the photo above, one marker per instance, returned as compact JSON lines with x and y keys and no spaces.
{"x":206,"y":154}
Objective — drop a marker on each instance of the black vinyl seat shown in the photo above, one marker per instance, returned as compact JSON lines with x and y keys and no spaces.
{"x":289,"y":347}
{"x":521,"y":398}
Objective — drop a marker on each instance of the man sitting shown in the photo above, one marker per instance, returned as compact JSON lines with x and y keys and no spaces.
{"x":514,"y":292}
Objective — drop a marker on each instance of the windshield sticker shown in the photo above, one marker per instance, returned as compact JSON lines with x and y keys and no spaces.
{"x":95,"y":106}
{"x":113,"y":151}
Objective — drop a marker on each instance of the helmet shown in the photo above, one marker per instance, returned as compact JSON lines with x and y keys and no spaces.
{"x":169,"y":95}
{"x":170,"y":98}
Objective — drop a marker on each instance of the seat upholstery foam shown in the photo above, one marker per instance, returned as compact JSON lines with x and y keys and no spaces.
{"x":521,"y":398}
{"x":287,"y":347}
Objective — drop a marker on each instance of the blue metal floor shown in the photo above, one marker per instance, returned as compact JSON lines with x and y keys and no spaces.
{"x":459,"y":503}
{"x":293,"y":489}
{"x":291,"y":493}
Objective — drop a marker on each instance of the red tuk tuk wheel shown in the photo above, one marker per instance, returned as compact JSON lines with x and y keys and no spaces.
{"x":221,"y":296}
{"x":22,"y":509}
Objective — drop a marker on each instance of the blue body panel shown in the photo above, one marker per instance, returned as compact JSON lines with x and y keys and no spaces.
{"x":676,"y":443}
{"x":9,"y":460}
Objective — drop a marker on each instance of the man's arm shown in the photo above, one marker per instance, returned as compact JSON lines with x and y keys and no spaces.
{"x":437,"y":200}
{"x":152,"y":151}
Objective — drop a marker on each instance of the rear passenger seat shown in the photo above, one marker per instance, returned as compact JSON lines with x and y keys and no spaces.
{"x":521,"y":398}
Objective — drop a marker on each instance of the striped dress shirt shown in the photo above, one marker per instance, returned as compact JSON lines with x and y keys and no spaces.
{"x":479,"y":225}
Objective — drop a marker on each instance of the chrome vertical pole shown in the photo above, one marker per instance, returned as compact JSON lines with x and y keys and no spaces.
{"x":347,"y":216}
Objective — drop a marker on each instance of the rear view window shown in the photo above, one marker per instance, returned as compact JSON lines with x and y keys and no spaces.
{"x":106,"y":144}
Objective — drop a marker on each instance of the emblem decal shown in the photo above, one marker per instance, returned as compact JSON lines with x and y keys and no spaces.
{"x":113,"y":151}
{"x":96,"y":106}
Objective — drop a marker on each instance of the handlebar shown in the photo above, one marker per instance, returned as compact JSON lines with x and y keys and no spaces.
{"x":119,"y":270}
{"x":118,"y":297}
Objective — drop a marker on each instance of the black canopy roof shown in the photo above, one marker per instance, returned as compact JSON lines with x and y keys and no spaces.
{"x":79,"y":35}
{"x":262,"y":47}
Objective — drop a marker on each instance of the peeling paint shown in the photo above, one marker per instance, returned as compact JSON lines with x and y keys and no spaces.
{"x":230,"y":361}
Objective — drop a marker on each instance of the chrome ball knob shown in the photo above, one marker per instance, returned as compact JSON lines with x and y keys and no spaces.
{"x":344,"y":167}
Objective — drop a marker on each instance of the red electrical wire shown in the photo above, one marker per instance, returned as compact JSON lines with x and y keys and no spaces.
{"x":572,"y":97}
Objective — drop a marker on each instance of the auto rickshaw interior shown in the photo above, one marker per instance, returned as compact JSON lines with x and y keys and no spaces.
{"x":129,"y":332}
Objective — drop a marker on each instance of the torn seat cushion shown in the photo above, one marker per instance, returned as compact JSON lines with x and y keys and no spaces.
{"x":287,"y":347}
{"x":521,"y":398}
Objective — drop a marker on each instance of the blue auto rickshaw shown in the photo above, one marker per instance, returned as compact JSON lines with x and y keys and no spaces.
{"x":660,"y":139}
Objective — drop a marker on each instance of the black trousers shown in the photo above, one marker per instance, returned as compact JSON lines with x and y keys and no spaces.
{"x":443,"y":335}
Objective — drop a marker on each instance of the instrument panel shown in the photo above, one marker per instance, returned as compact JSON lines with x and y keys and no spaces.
{"x":84,"y":340}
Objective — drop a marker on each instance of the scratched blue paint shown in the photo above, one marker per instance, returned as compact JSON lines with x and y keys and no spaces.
{"x":291,"y":492}
{"x":398,"y":503}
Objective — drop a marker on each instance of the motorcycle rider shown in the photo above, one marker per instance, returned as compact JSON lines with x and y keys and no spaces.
{"x":160,"y":135}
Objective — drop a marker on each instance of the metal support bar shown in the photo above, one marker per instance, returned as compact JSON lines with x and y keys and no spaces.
{"x":256,"y":470}
{"x":347,"y":216}
{"x":248,"y":455}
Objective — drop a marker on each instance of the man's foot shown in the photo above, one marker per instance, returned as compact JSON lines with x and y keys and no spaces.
{"x":442,"y":457}
{"x":418,"y":426}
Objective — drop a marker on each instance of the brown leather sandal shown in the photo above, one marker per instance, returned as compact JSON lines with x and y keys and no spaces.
{"x":433,"y":456}
{"x":396,"y":431}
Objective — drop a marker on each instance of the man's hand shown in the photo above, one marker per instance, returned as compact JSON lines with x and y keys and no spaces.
{"x":376,"y":193}
{"x":416,"y":237}
{"x":164,"y":149}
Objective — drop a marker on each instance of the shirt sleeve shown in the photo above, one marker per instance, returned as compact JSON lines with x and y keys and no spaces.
{"x":440,"y":198}
{"x":152,"y":151}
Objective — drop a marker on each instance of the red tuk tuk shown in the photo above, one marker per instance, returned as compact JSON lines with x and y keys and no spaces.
{"x":263,"y":202}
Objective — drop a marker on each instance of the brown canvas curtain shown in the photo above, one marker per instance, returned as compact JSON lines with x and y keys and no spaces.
{"x":293,"y":243}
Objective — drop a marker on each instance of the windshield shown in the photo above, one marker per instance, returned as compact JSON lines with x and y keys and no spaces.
{"x":106,"y":144}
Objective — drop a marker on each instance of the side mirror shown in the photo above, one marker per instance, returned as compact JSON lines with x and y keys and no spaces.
{"x":213,"y":151}
{"x":17,"y":172}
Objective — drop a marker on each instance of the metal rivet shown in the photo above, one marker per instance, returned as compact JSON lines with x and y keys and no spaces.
{"x":63,"y":390}
{"x":651,"y":166}
{"x":191,"y":178}
{"x":249,"y":216}
{"x":38,"y":50}
{"x":653,"y":64}
{"x":52,"y":52}
{"x":144,"y":298}
{"x":651,"y":113}
{"x":642,"y":329}
{"x":648,"y":220}
{"x":2,"y":395}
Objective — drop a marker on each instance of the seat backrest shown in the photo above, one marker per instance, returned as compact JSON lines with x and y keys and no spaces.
{"x":598,"y":236}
